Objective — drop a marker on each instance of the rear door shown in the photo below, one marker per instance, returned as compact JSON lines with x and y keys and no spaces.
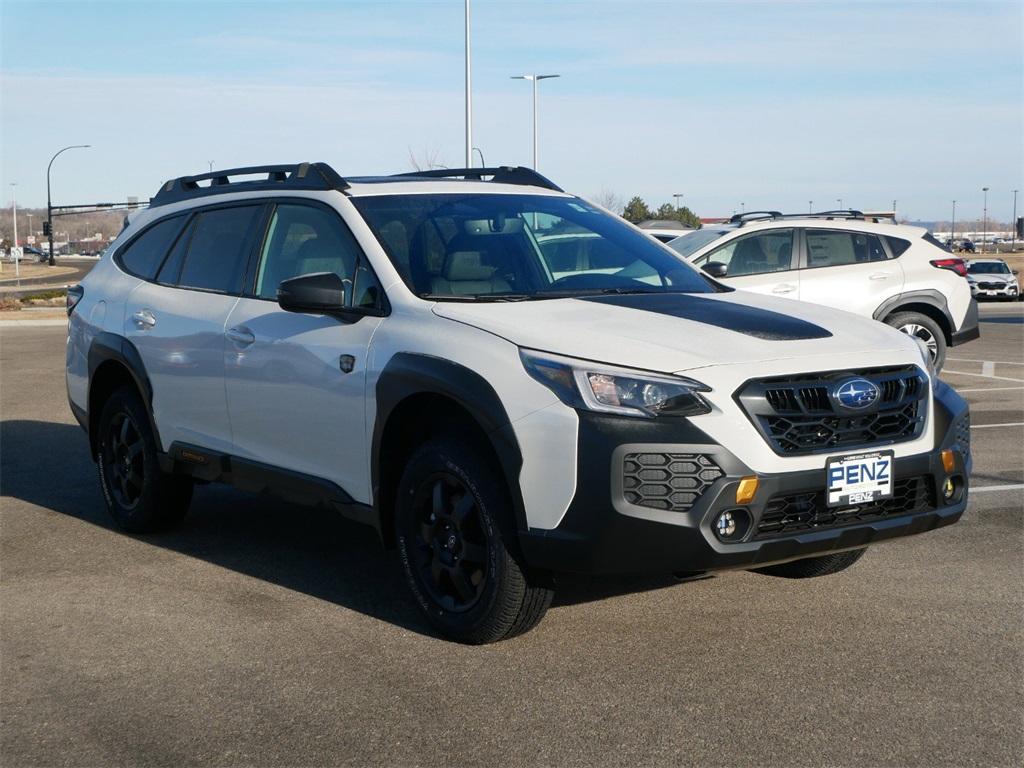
{"x":296,"y":382}
{"x":848,"y":270}
{"x":762,"y":262}
{"x":176,"y":321}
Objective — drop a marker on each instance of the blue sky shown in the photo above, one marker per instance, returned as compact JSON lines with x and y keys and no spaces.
{"x":766,"y":104}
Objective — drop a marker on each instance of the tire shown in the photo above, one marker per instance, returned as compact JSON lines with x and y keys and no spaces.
{"x":924,"y":328}
{"x":812,"y":567}
{"x":139,"y":496}
{"x":456,"y":541}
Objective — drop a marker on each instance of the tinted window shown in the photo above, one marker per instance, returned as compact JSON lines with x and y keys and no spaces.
{"x":929,"y":238}
{"x":832,"y":248}
{"x":526,"y":246}
{"x":898,"y":246}
{"x":988,"y":268}
{"x":301,"y":240}
{"x":143,"y":256}
{"x":216,"y":258}
{"x":770,"y":251}
{"x":686,"y":245}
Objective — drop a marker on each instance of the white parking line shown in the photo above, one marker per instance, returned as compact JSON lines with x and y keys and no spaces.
{"x":990,"y":389}
{"x":984,"y":488}
{"x":1007,"y":424}
{"x":982,"y":376}
{"x":32,"y":323}
{"x":972,"y":360}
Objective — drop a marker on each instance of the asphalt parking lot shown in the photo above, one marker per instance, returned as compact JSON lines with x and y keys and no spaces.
{"x":264,"y":634}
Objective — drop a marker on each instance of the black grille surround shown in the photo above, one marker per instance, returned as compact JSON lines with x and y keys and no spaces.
{"x":797,"y":415}
{"x":794,"y":513}
{"x":669,"y":481}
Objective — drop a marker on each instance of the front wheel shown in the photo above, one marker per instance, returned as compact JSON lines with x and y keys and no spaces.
{"x":455,"y":535}
{"x":812,"y":567}
{"x":924,"y":328}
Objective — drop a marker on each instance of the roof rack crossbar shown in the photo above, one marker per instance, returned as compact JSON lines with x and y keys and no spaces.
{"x":750,"y":215}
{"x":504,"y":174}
{"x":318,"y":176}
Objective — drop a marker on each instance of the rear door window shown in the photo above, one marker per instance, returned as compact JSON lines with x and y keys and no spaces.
{"x":835,"y":248}
{"x":144,"y":255}
{"x":219,"y":248}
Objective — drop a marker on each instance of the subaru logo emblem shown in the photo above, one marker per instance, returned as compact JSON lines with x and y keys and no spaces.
{"x":856,"y":394}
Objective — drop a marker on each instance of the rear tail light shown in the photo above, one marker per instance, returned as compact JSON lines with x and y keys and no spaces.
{"x":956,"y":265}
{"x":75,"y":294}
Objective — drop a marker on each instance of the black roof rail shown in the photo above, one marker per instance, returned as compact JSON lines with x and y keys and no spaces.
{"x":752,"y":215}
{"x":318,"y":176}
{"x":504,"y":174}
{"x":848,"y":213}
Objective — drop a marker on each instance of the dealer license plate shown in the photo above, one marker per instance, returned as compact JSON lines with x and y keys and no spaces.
{"x":859,"y":479}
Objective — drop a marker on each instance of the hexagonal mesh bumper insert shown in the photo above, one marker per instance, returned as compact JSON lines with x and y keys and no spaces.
{"x":670,"y":481}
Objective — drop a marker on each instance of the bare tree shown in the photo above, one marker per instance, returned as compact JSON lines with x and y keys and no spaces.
{"x":425,"y":159}
{"x":606,"y":198}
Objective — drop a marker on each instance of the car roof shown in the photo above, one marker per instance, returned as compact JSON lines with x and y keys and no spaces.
{"x":818,"y":222}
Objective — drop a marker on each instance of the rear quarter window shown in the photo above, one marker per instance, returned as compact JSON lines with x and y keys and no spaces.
{"x":928,"y":238}
{"x":143,"y":255}
{"x":218,"y":251}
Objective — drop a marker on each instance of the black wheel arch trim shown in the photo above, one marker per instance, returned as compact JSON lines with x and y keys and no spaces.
{"x":927,"y":296}
{"x":408,"y":374}
{"x":106,"y":347}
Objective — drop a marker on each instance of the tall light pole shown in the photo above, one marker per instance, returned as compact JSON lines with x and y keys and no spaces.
{"x":952,"y":227}
{"x":810,"y":206}
{"x":743,"y":207}
{"x":894,"y":210}
{"x":984,"y":219}
{"x":1013,"y":224}
{"x":14,"y":215}
{"x":678,"y":196}
{"x":534,"y":79}
{"x":840,"y":201}
{"x":210,"y":163}
{"x":49,"y":205}
{"x":469,"y":95}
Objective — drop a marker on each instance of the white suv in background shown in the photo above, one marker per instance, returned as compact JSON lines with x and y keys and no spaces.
{"x":992,"y":279}
{"x":431,"y":354}
{"x":898,"y":274}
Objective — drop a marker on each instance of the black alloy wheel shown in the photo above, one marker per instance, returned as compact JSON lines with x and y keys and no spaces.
{"x":124,"y":461}
{"x":450,"y":544}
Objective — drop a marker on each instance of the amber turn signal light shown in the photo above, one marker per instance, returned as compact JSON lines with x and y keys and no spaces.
{"x":948,"y":460}
{"x":746,"y":490}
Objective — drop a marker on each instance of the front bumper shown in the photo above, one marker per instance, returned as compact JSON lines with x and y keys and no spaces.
{"x":1007,"y":291}
{"x":602,"y":532}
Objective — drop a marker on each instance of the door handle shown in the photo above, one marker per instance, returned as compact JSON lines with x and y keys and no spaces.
{"x":240,"y":335}
{"x":784,"y":288}
{"x":144,"y":319}
{"x":879,"y":275}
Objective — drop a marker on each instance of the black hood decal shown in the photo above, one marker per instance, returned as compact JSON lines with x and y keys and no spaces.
{"x":752,"y":321}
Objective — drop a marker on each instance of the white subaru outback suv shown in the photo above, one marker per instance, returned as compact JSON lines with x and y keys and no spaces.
{"x":898,"y":274}
{"x":400,"y":350}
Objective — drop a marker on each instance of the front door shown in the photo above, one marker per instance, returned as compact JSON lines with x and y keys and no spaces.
{"x":296,"y":382}
{"x":761,"y":262}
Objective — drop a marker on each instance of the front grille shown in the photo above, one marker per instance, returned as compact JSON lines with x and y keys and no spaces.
{"x":991,"y":286}
{"x":800,"y":512}
{"x":797,"y":415}
{"x":671,"y":481}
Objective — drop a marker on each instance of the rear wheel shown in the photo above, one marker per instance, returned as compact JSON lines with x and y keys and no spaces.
{"x":140,"y":497}
{"x":924,"y":328}
{"x":812,"y":567}
{"x":456,"y":541}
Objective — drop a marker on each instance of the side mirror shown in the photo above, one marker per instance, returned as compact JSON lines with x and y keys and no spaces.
{"x":716,"y":268}
{"x":320,"y":292}
{"x":1016,"y":272}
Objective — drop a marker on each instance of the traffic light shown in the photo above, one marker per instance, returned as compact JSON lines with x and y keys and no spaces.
{"x":46,"y":228}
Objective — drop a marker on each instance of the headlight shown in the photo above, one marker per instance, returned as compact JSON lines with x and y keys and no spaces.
{"x":596,"y":387}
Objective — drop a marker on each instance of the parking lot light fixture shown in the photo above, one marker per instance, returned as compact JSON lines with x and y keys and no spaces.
{"x":49,"y":205}
{"x":984,"y":218}
{"x":952,"y":227}
{"x":1013,"y":224}
{"x":679,"y":195}
{"x":534,"y":79}
{"x":810,"y":206}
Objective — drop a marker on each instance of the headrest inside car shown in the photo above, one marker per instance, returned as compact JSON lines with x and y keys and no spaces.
{"x":465,"y":265}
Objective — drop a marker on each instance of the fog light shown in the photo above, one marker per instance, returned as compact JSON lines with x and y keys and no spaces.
{"x":948,"y":488}
{"x":746,"y":490}
{"x":725,"y":525}
{"x":948,"y":460}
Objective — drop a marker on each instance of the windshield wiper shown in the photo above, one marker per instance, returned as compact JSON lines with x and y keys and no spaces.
{"x":479,"y":297}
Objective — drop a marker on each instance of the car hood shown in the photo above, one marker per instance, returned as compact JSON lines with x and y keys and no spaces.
{"x":678,"y":332}
{"x":982,"y":278}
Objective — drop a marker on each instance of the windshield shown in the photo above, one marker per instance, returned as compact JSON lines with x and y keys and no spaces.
{"x":489,"y":247}
{"x":690,"y":244}
{"x":988,"y":268}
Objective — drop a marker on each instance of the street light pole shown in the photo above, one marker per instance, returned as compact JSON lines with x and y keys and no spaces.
{"x":534,"y":79}
{"x":677,"y":196}
{"x":840,"y":201}
{"x":952,"y":227}
{"x":469,"y":95}
{"x":49,"y":205}
{"x":14,"y":215}
{"x":984,"y":219}
{"x":1013,"y":224}
{"x":810,"y":206}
